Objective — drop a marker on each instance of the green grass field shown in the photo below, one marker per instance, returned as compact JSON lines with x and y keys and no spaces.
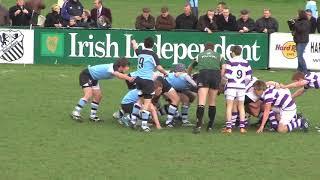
{"x":125,"y":11}
{"x":40,"y":141}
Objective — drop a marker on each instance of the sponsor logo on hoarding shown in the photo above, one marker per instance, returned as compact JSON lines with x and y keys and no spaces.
{"x":52,"y":44}
{"x":11,"y":45}
{"x":288,"y":49}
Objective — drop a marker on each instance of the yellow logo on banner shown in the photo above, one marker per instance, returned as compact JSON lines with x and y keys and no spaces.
{"x":289,"y":50}
{"x":52,"y":43}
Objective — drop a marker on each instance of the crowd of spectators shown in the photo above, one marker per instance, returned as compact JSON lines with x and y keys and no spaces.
{"x":71,"y":13}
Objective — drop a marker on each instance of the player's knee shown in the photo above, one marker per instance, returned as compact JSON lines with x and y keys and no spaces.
{"x":282,"y":128}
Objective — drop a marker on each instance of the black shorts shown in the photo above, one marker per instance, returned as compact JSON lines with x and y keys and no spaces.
{"x":127,"y":108}
{"x":209,"y":79}
{"x":247,"y":100}
{"x":146,"y":87}
{"x":166,"y":86}
{"x":130,"y":85}
{"x":86,"y":80}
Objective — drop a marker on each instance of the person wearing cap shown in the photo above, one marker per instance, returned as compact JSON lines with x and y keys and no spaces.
{"x":207,"y":22}
{"x":186,"y":20}
{"x":165,"y":21}
{"x":54,"y":18}
{"x":245,"y":23}
{"x":145,"y":20}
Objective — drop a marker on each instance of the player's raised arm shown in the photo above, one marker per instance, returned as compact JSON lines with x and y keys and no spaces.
{"x":134,"y":45}
{"x":297,"y":84}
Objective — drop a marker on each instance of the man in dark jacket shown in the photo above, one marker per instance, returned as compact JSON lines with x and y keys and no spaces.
{"x":207,"y":22}
{"x":300,"y":33}
{"x":72,"y":9}
{"x":312,"y":20}
{"x":186,"y":20}
{"x":145,"y":20}
{"x":54,"y":18}
{"x":99,"y":11}
{"x":245,"y":23}
{"x":4,"y":16}
{"x":19,"y":14}
{"x":227,"y":22}
{"x":267,"y":24}
{"x":165,"y":21}
{"x":36,"y":6}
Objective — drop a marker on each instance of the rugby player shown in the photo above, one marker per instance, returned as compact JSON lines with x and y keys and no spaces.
{"x":238,"y":73}
{"x":148,"y":61}
{"x":304,"y":82}
{"x":88,"y":80}
{"x":281,"y":102}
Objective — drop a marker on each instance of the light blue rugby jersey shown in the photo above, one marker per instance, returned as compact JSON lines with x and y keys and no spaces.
{"x":147,"y":62}
{"x":101,"y":71}
{"x":178,"y":83}
{"x":131,"y":97}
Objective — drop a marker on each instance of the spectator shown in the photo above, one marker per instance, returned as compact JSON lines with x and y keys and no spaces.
{"x":54,"y":18}
{"x":219,"y":10}
{"x":19,"y":14}
{"x":86,"y":19}
{"x":312,"y":5}
{"x":72,"y":23}
{"x":72,"y":9}
{"x":207,"y":22}
{"x":318,"y":24}
{"x":227,"y":22}
{"x":194,"y":6}
{"x":267,"y":24}
{"x":186,"y":20}
{"x":103,"y":22}
{"x":312,"y":21}
{"x":165,"y":21}
{"x":36,"y":6}
{"x":301,"y":38}
{"x":99,"y":11}
{"x":245,"y":23}
{"x":145,"y":20}
{"x":4,"y":16}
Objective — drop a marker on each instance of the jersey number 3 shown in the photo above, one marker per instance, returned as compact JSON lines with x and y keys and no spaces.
{"x":140,"y":62}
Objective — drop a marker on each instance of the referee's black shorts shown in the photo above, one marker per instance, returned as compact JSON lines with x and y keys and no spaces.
{"x":209,"y":79}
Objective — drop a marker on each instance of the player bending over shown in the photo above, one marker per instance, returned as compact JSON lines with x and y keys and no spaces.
{"x":304,"y":82}
{"x":281,"y":102}
{"x":211,"y":67}
{"x":238,"y":73}
{"x":148,"y":61}
{"x":131,"y":98}
{"x":88,"y":80}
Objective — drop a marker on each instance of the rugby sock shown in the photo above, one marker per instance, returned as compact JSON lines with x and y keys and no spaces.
{"x":184,"y":113}
{"x":273,"y":120}
{"x":145,"y":115}
{"x":234,"y":117}
{"x":200,"y":112}
{"x":80,"y":105}
{"x":171,"y":113}
{"x":293,"y":125}
{"x":229,"y":125}
{"x":242,"y":124}
{"x":212,"y":116}
{"x":135,"y":113}
{"x":94,"y":108}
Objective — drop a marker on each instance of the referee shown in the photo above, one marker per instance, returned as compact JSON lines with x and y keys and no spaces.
{"x":210,"y":65}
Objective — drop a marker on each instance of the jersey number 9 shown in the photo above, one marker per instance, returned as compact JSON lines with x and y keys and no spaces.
{"x":239,"y":74}
{"x":140,"y":62}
